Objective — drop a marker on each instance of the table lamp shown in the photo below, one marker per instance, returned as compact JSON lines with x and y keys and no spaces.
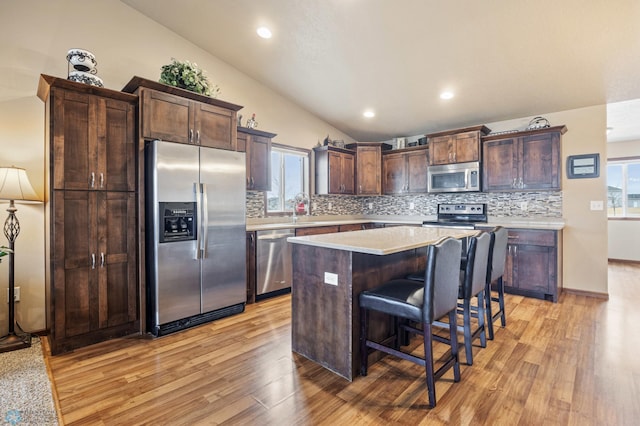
{"x":14,"y":186}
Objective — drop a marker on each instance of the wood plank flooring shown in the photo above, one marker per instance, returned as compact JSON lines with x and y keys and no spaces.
{"x":574,"y":362}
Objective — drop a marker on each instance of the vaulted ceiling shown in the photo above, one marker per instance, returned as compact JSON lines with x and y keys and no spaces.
{"x":501,"y":59}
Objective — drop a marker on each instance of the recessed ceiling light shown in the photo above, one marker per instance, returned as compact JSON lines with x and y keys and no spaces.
{"x":369,"y":114}
{"x":264,"y":32}
{"x":446,"y":95}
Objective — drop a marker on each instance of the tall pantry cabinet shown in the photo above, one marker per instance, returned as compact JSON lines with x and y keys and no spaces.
{"x":91,"y":213}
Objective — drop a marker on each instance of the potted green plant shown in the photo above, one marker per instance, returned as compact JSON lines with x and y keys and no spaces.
{"x":186,"y":75}
{"x":4,"y":251}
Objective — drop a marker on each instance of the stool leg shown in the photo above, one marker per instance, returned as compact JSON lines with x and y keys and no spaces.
{"x":428,"y":357}
{"x":503,"y":316}
{"x":489,"y":313}
{"x":467,"y":331}
{"x":364,"y":328}
{"x":481,"y":319}
{"x":453,"y":340}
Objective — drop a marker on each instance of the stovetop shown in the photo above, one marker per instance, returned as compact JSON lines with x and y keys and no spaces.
{"x":459,"y":215}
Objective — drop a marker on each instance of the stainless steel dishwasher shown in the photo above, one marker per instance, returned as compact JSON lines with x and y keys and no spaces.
{"x":273,"y":261}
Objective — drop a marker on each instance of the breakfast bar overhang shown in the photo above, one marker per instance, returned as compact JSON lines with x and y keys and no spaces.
{"x":330,"y":271}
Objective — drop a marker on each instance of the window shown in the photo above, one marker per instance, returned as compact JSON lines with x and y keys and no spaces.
{"x":623,"y":188}
{"x":289,"y":177}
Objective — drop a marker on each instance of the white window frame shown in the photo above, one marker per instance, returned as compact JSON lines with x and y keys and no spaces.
{"x":624,"y":162}
{"x":285,"y":208}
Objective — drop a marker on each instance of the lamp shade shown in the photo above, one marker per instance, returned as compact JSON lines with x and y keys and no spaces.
{"x":15,"y":185}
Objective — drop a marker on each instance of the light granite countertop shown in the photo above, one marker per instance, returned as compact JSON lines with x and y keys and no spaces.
{"x":381,"y":241}
{"x":554,"y":223}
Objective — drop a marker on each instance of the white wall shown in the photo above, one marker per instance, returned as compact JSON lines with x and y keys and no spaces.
{"x":624,"y":234}
{"x":36,"y":35}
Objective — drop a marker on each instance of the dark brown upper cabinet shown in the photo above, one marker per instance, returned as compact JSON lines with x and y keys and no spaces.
{"x":523,"y":161}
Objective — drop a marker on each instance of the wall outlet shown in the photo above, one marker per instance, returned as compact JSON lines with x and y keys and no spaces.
{"x":412,"y":206}
{"x":330,"y":206}
{"x":330,"y":278}
{"x":524,"y":206}
{"x":314,"y":205}
{"x":597,"y":205}
{"x":16,"y":294}
{"x":370,"y":206}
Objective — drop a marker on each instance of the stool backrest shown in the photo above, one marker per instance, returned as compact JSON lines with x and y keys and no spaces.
{"x":499,"y":252}
{"x":475,"y":274}
{"x":442,"y":278}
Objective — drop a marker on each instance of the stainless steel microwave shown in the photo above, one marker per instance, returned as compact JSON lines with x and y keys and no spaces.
{"x":460,"y":177}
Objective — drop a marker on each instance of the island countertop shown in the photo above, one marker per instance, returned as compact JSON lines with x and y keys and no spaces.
{"x":381,"y":241}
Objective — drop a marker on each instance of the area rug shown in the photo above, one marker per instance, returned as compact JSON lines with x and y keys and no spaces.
{"x":25,"y":390}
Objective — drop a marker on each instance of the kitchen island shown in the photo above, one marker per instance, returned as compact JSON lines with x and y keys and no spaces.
{"x":330,"y":271}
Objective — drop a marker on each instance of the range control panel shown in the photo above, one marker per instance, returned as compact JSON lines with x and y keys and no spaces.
{"x":463,"y":212}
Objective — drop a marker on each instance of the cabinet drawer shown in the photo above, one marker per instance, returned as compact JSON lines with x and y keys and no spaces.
{"x":301,"y":232}
{"x":352,"y":227}
{"x":532,"y":237}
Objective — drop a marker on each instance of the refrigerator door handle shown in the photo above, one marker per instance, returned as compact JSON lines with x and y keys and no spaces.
{"x":205,"y":220}
{"x":197,"y":190}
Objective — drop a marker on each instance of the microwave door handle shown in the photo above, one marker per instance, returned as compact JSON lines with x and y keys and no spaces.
{"x":467,"y":178}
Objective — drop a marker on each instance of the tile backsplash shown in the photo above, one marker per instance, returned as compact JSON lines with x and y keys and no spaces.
{"x":499,"y":204}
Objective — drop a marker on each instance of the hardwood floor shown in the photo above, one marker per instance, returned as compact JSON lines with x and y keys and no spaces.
{"x":574,"y":362}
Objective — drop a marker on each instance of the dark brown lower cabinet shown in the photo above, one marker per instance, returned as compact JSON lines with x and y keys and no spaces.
{"x":534,"y":264}
{"x":95,"y":295}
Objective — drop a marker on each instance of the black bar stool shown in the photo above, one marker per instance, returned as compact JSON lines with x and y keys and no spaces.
{"x":410,"y":301}
{"x":498,"y":258}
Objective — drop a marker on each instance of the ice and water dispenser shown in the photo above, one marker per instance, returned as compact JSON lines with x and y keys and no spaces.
{"x":177,"y":222}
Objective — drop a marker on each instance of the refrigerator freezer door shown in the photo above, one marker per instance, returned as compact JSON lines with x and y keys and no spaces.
{"x":177,"y":272}
{"x":222,"y":174}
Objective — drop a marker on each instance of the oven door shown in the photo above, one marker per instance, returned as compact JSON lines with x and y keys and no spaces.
{"x":461,"y":177}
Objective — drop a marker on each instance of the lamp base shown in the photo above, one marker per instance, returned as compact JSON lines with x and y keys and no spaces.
{"x":15,"y":341}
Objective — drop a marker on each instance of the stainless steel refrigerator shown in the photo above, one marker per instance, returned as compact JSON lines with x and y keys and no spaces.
{"x":196,"y":250}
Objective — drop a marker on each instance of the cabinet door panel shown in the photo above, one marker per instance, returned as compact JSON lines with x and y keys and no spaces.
{"x":165,"y":117}
{"x":116,"y":145}
{"x":535,"y":268}
{"x":441,"y":150}
{"x":74,"y":239}
{"x":117,"y":284}
{"x":215,"y":127}
{"x":467,"y":147}
{"x":368,"y":170}
{"x":335,"y":173}
{"x":259,"y":156}
{"x":348,"y":177}
{"x":417,"y":171}
{"x":540,"y":165}
{"x":500,"y":164}
{"x":393,"y":173}
{"x":73,"y":156}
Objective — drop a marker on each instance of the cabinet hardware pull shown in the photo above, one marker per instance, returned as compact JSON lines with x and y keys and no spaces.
{"x":253,"y":182}
{"x":198,"y":137}
{"x":513,"y":185}
{"x":101,"y":180}
{"x":190,"y":135}
{"x":93,"y":180}
{"x":101,"y":259}
{"x":93,"y":261}
{"x":520,"y":184}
